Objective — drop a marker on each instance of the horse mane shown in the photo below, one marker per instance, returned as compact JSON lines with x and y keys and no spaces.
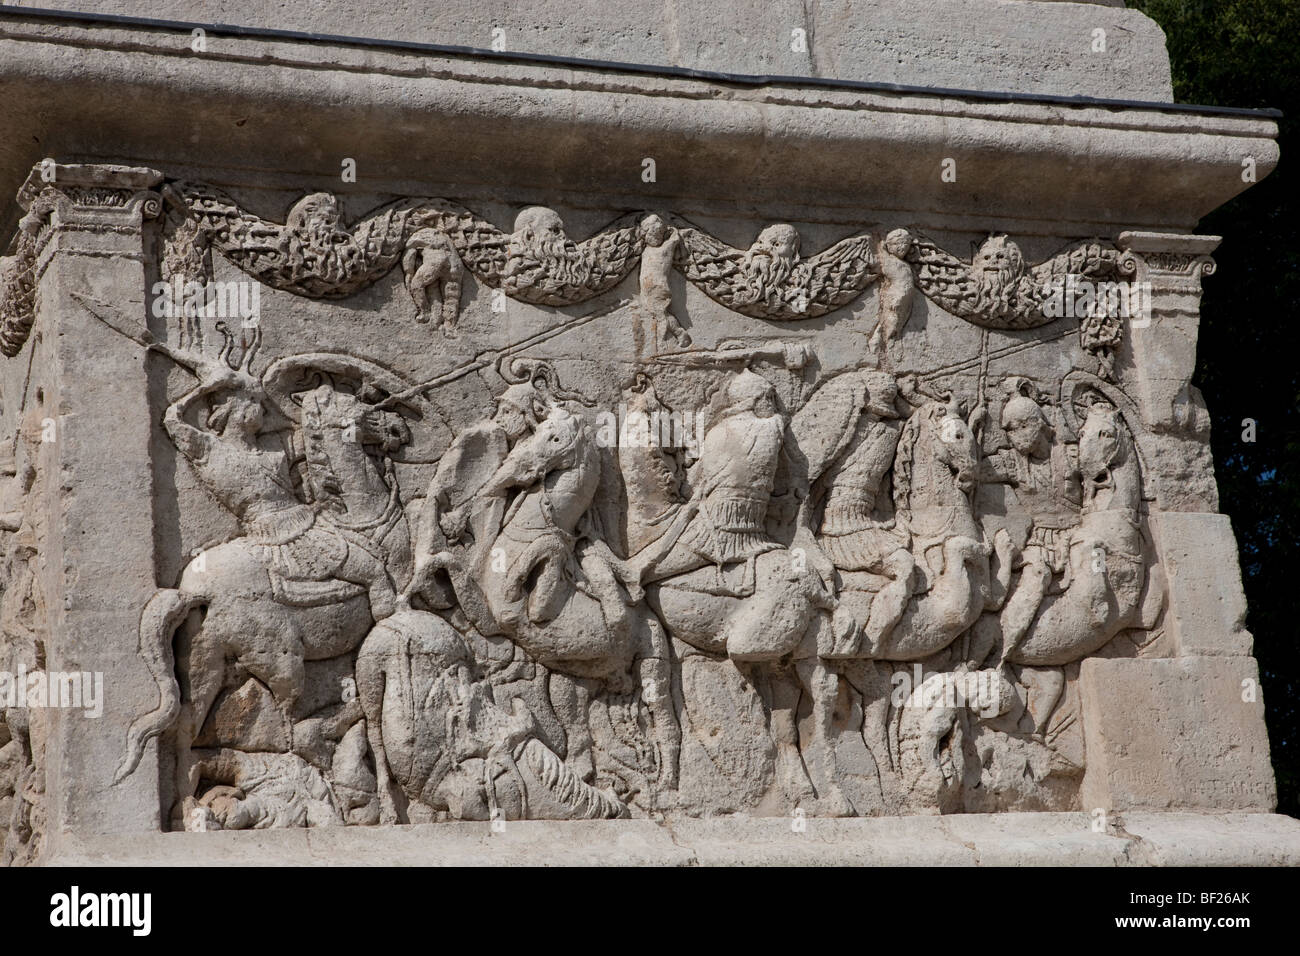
{"x":903,"y":461}
{"x":316,"y":468}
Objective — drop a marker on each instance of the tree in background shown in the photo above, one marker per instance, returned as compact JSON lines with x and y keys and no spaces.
{"x":1247,"y":53}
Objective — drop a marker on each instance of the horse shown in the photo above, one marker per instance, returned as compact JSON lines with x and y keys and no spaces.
{"x":361,"y":496}
{"x":768,"y":612}
{"x":934,"y":475}
{"x":1107,"y":567}
{"x":441,"y":741}
{"x":547,"y":581}
{"x":270,"y":624}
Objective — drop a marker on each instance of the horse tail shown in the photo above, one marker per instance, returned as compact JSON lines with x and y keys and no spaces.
{"x":580,"y":797}
{"x":158,"y":623}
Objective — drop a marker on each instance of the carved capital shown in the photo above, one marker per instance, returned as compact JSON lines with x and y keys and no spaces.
{"x":1168,"y":261}
{"x":90,"y":198}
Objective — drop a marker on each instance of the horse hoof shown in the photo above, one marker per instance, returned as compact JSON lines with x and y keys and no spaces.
{"x":835,"y":804}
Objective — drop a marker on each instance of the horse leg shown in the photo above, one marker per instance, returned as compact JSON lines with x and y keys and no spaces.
{"x":372,"y":680}
{"x":873,"y":680}
{"x":823,"y":689}
{"x":570,"y":699}
{"x":268,"y":641}
{"x":1004,"y":556}
{"x":206,"y":673}
{"x":890,"y":602}
{"x":656,"y":675}
{"x":964,"y":582}
{"x":1023,"y":605}
{"x":1045,"y":685}
{"x":984,"y":635}
{"x":363,"y":568}
{"x":790,"y":769}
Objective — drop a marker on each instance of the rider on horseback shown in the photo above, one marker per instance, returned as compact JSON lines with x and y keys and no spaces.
{"x":454,"y":503}
{"x":1044,"y":474}
{"x":733,"y":480}
{"x":308,"y":558}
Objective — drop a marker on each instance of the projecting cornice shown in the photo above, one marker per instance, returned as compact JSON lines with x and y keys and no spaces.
{"x":417,"y":120}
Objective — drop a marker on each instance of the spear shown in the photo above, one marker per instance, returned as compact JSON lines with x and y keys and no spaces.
{"x":490,"y":358}
{"x":145,"y":340}
{"x":982,"y":381}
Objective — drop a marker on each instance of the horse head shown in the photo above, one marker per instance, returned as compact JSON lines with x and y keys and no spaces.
{"x":340,"y":430}
{"x":936,"y":458}
{"x":386,"y":430}
{"x":1107,"y":459}
{"x":361,"y":423}
{"x":563,"y":440}
{"x":957,"y":447}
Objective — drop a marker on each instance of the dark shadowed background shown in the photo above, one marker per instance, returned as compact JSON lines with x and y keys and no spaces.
{"x":1247,"y":53}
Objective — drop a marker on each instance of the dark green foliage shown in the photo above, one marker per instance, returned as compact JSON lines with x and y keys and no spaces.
{"x":1247,"y":53}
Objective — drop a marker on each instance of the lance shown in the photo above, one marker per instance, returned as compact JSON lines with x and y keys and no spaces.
{"x":488,"y":359}
{"x":996,"y":353}
{"x":145,"y":340}
{"x":982,"y":380}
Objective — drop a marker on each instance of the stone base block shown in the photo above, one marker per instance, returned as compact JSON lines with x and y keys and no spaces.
{"x":1178,"y":732}
{"x":1207,"y":607}
{"x":1004,"y":839}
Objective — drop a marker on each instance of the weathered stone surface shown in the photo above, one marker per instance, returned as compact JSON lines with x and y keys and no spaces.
{"x":690,"y":462}
{"x":1010,"y":839}
{"x":958,"y":44}
{"x":1207,"y":606}
{"x":1196,"y":740}
{"x":569,"y":131}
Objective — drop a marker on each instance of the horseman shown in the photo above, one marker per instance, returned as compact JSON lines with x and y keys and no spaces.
{"x":725,"y":521}
{"x":1044,"y":474}
{"x":847,"y":435}
{"x":305,"y":555}
{"x":849,"y":459}
{"x":456,"y":513}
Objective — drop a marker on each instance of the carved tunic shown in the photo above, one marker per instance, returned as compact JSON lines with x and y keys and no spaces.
{"x":850,"y":533}
{"x":737,"y":467}
{"x":1048,"y":491}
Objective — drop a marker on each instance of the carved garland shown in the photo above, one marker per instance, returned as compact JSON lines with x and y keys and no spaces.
{"x":312,"y":254}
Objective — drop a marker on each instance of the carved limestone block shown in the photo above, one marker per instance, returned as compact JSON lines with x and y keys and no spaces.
{"x":721,"y":489}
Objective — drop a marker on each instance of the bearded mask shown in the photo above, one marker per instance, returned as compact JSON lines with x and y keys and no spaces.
{"x":314,"y":242}
{"x":998,"y":268}
{"x":538,"y":243}
{"x":770,"y":260}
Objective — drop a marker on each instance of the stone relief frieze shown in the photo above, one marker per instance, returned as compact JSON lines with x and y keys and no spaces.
{"x":313,"y":254}
{"x":24,"y":634}
{"x":835,"y":588}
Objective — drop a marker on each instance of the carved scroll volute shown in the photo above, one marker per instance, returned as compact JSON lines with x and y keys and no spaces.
{"x":1171,"y":263}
